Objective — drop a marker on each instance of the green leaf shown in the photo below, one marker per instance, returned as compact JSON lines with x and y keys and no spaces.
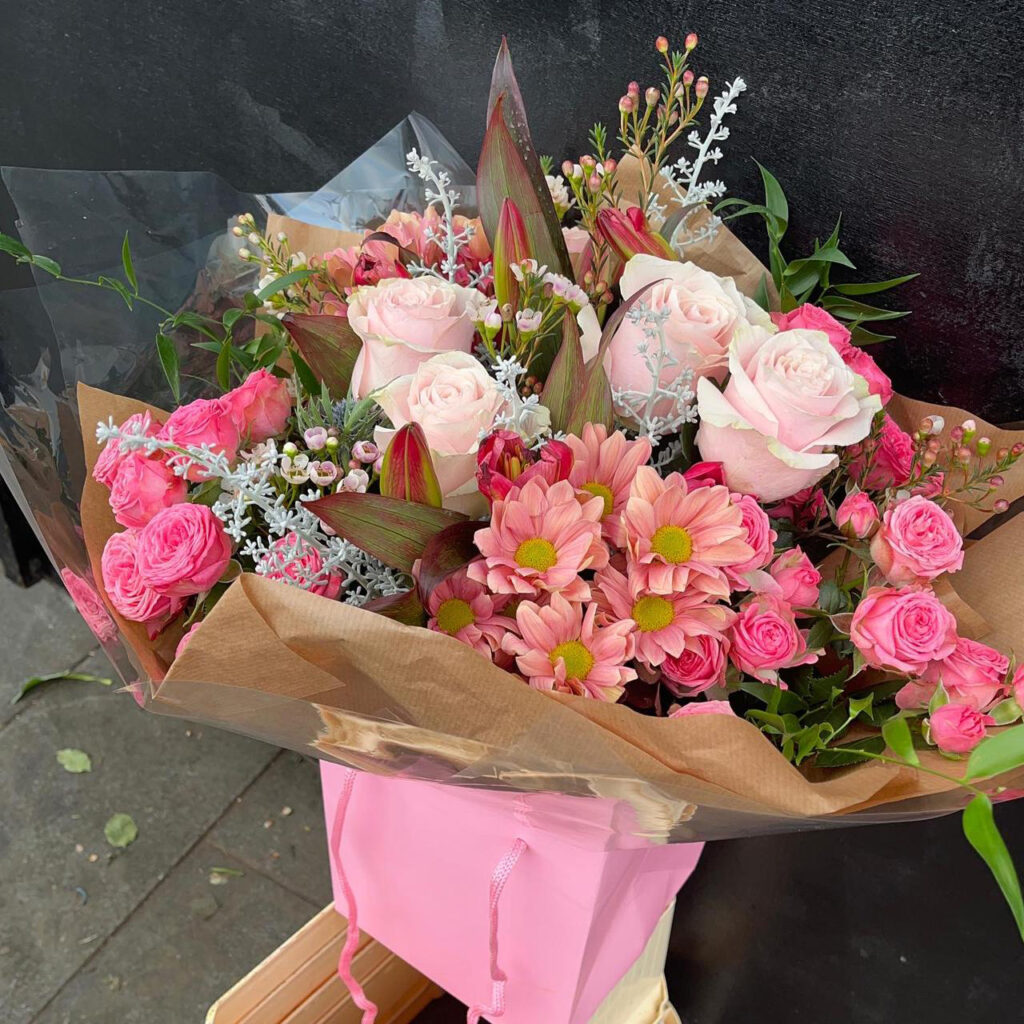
{"x":860,"y":704}
{"x":120,"y":830}
{"x":231,"y":317}
{"x":784,"y":701}
{"x":1005,"y":712}
{"x":114,"y":285}
{"x":56,"y":677}
{"x":168,"y":353}
{"x":390,"y":529}
{"x":830,"y":598}
{"x":328,"y":346}
{"x":851,"y":309}
{"x":13,"y":247}
{"x":74,"y":761}
{"x":45,"y":263}
{"x":224,"y":366}
{"x":307,"y":378}
{"x":761,"y":296}
{"x":996,"y":754}
{"x":407,"y":471}
{"x":565,"y":378}
{"x":404,"y":607}
{"x":820,"y":634}
{"x":850,"y":753}
{"x":775,"y":201}
{"x":873,"y":287}
{"x":861,"y":336}
{"x":279,"y":284}
{"x":983,"y":834}
{"x":129,"y":266}
{"x":896,"y":734}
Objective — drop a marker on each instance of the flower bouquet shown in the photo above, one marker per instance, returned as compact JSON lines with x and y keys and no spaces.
{"x":541,"y":485}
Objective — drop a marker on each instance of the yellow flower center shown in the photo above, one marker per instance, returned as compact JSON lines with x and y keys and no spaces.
{"x":578,"y":660}
{"x":600,"y":491}
{"x":453,"y":615}
{"x":536,"y":553}
{"x":652,"y":613}
{"x":673,"y":543}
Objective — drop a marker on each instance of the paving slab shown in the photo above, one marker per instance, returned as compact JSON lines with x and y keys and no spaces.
{"x":65,"y":889}
{"x":184,"y":947}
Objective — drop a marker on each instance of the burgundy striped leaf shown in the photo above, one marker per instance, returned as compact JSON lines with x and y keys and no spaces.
{"x":511,"y":244}
{"x":407,"y":471}
{"x":447,"y":552}
{"x":404,"y":607}
{"x":565,"y":380}
{"x":329,"y":347}
{"x":628,"y":235}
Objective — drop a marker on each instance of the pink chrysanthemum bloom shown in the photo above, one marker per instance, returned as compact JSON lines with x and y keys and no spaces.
{"x":464,"y":609}
{"x":604,"y":466}
{"x":663,"y":622}
{"x":673,"y":535}
{"x":541,"y":538}
{"x":561,"y":648}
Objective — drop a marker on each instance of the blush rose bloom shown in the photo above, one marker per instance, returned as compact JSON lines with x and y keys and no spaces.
{"x":760,"y":536}
{"x":797,"y":578}
{"x":130,"y":595}
{"x":904,"y":630}
{"x":703,"y":707}
{"x":856,"y":359}
{"x":455,"y":400}
{"x":701,"y":666}
{"x":112,"y":456}
{"x":143,"y":486}
{"x":403,"y":323}
{"x":888,"y":458}
{"x":957,"y":729}
{"x":857,"y":516}
{"x":765,"y":638}
{"x":183,"y":550}
{"x":260,"y":407}
{"x":917,"y":542}
{"x":973,"y":674}
{"x":790,"y":401}
{"x":293,"y":560}
{"x":204,"y":421}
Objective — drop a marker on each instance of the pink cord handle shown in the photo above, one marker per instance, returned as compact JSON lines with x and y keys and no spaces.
{"x":498,"y":977}
{"x":352,"y":937}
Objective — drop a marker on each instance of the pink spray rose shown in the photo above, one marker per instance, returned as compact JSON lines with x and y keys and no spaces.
{"x":857,"y":516}
{"x":1017,"y":685}
{"x":142,"y":486}
{"x":89,"y":606}
{"x":183,"y":550}
{"x":917,"y":542}
{"x":789,"y":402}
{"x":803,"y":509}
{"x":766,"y":638}
{"x":957,"y":729}
{"x":112,"y":456}
{"x":260,"y":407}
{"x":855,"y":358}
{"x":703,"y":707}
{"x":973,"y":674}
{"x":889,"y":458}
{"x":760,"y":536}
{"x":128,"y":592}
{"x":903,"y":629}
{"x":204,"y":421}
{"x":295,"y":561}
{"x":797,"y":578}
{"x":700,"y":666}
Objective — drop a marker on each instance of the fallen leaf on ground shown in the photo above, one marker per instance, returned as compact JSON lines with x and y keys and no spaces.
{"x":75,"y":761}
{"x":120,"y":830}
{"x":55,"y":677}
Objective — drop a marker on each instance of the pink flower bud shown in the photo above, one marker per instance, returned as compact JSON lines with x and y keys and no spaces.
{"x":378,"y":464}
{"x":610,"y":166}
{"x":626,"y":104}
{"x":365,"y":451}
{"x":588,"y":163}
{"x":633,"y":88}
{"x":567,"y":168}
{"x":652,"y":96}
{"x":594,"y":183}
{"x":857,"y":516}
{"x":661,"y":44}
{"x":956,"y":435}
{"x":1017,"y":450}
{"x":1001,"y":506}
{"x":996,"y":481}
{"x":688,"y":77}
{"x":315,"y":438}
{"x":702,"y":86}
{"x":691,"y":41}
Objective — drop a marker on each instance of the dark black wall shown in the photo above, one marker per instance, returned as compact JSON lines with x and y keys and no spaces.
{"x":907,"y":116}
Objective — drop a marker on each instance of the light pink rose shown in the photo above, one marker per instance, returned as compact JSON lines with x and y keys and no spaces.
{"x":856,"y":359}
{"x":903,"y":629}
{"x":857,"y":516}
{"x":917,"y":542}
{"x":957,"y":729}
{"x":403,"y":323}
{"x":295,"y":561}
{"x":128,"y":593}
{"x":703,"y":707}
{"x":142,"y":486}
{"x":260,"y":407}
{"x":703,"y":312}
{"x":186,"y":640}
{"x":765,"y":638}
{"x":701,"y":665}
{"x":889,"y":458}
{"x":789,"y":402}
{"x":89,"y":606}
{"x":112,"y":456}
{"x":204,"y":421}
{"x":797,"y":578}
{"x":455,"y":400}
{"x":760,"y":536}
{"x":183,"y":550}
{"x":973,"y":674}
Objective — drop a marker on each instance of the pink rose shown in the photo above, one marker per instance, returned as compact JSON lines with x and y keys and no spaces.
{"x":760,"y":536}
{"x":888,"y":459}
{"x":186,"y":640}
{"x":765,"y":638}
{"x":857,"y":516}
{"x":378,"y":260}
{"x":789,"y":402}
{"x":89,"y":606}
{"x":973,"y":674}
{"x":856,"y":359}
{"x":802,"y":509}
{"x":403,"y":323}
{"x":700,"y":666}
{"x":202,"y":422}
{"x":260,"y":407}
{"x":797,"y":578}
{"x":704,"y":474}
{"x":293,"y":560}
{"x":183,"y":550}
{"x":112,"y":456}
{"x":455,"y":400}
{"x":128,"y":592}
{"x":504,"y":461}
{"x":1017,"y":685}
{"x":917,"y":542}
{"x":903,"y":630}
{"x":703,"y":707}
{"x":957,"y":729}
{"x":143,"y":486}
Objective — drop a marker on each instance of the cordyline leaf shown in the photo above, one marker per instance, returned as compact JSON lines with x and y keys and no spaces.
{"x":565,"y":379}
{"x":390,"y":529}
{"x":511,"y":244}
{"x":627,"y":239}
{"x":446,"y":552}
{"x":983,"y":834}
{"x":328,"y":346}
{"x":404,"y":607}
{"x":407,"y":471}
{"x":998,"y":753}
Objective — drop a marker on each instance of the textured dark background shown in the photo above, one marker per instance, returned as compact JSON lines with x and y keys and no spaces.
{"x":907,"y":116}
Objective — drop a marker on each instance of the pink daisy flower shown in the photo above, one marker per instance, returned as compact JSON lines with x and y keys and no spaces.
{"x":673,"y":535}
{"x":664,"y":622}
{"x":604,"y":466}
{"x":541,"y":538}
{"x":464,"y":609}
{"x":561,"y":648}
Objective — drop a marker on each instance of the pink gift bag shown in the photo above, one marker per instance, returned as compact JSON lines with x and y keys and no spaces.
{"x":529,"y":907}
